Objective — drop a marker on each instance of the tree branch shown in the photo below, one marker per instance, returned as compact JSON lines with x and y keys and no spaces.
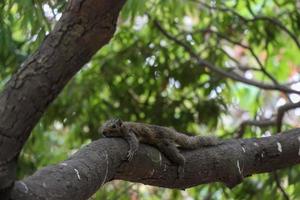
{"x":273,"y":21}
{"x":271,"y":122}
{"x":279,"y":186}
{"x":282,"y":110}
{"x":102,"y":161}
{"x":258,"y":123}
{"x":250,"y":49}
{"x":218,"y":70}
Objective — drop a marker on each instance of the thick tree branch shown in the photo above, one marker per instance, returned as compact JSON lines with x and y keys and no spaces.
{"x":85,"y":26}
{"x":102,"y":161}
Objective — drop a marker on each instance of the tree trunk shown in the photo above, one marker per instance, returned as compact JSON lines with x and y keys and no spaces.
{"x":85,"y":26}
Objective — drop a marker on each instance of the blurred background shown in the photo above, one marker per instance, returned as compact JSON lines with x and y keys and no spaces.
{"x":199,"y":66}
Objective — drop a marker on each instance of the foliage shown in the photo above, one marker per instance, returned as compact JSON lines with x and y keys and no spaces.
{"x":144,"y":75}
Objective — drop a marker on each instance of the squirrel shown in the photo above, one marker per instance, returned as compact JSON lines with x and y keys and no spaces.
{"x":167,"y":140}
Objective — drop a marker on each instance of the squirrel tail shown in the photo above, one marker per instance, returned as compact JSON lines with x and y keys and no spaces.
{"x":194,"y":142}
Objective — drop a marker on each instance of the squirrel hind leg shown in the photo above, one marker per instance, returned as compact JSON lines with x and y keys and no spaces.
{"x":170,"y":150}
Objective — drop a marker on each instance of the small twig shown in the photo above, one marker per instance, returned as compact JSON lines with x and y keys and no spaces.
{"x":238,"y":65}
{"x":279,"y":24}
{"x":281,"y":111}
{"x":278,"y":185}
{"x":292,"y":82}
{"x":270,"y":122}
{"x":262,"y":123}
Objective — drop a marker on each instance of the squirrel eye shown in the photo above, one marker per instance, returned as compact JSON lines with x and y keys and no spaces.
{"x":114,"y":126}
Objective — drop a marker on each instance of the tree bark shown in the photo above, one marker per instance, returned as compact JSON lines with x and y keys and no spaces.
{"x":85,"y":26}
{"x":103,"y":160}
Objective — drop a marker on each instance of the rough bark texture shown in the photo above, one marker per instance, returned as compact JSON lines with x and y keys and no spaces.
{"x":103,"y":160}
{"x":85,"y":26}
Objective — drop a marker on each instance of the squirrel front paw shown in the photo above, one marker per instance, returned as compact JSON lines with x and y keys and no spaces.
{"x":180,"y":172}
{"x":130,"y":155}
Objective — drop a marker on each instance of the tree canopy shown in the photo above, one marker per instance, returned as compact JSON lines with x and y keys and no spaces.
{"x":226,"y":68}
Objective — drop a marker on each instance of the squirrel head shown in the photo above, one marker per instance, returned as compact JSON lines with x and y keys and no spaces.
{"x":112,"y":128}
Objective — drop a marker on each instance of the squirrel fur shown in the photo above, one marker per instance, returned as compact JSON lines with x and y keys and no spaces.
{"x":167,"y":140}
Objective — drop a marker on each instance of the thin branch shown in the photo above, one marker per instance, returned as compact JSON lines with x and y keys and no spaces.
{"x":238,"y":65}
{"x":257,"y":123}
{"x":262,"y":68}
{"x":254,"y":19}
{"x":277,"y":23}
{"x":270,"y":122}
{"x":219,"y":70}
{"x":282,"y":110}
{"x":279,"y":186}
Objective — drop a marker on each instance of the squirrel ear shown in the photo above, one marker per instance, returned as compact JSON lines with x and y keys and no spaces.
{"x":119,"y":122}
